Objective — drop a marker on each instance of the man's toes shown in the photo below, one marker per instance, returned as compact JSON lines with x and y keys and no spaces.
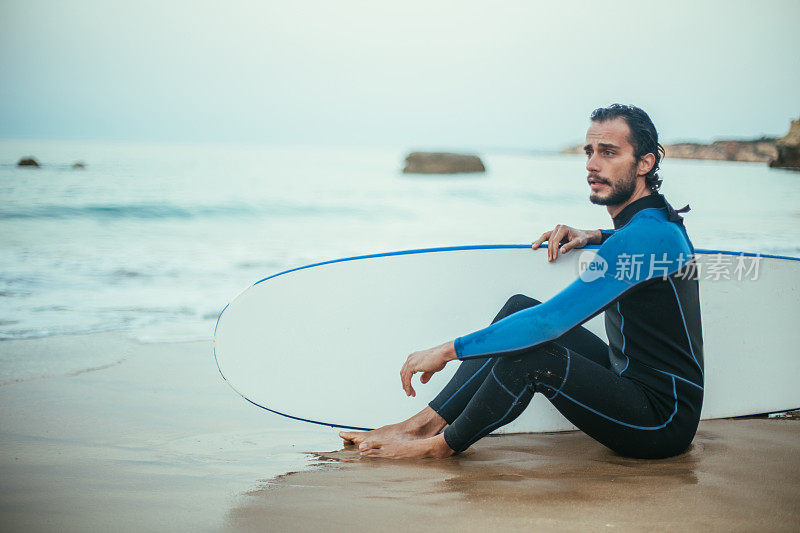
{"x":375,"y":451}
{"x":368,"y":445}
{"x":352,"y":437}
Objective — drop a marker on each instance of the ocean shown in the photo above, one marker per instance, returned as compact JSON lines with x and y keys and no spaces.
{"x":155,"y":239}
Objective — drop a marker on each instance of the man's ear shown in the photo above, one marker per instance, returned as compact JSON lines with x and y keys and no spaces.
{"x":646,"y":164}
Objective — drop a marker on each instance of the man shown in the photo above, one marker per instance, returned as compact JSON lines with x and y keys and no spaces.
{"x":641,"y":394}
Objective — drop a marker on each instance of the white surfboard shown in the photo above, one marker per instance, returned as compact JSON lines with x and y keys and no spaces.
{"x":324,"y":343}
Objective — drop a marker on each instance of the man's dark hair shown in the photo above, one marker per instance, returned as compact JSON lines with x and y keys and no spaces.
{"x":643,"y":136}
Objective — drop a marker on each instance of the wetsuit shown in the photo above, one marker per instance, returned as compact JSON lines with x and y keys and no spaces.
{"x":641,"y":394}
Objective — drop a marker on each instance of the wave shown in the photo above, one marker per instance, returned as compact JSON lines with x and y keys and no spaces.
{"x":167,"y":211}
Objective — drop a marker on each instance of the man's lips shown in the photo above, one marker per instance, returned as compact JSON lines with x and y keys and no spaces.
{"x":595,"y":182}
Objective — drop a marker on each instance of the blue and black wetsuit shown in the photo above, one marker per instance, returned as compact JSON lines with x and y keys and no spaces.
{"x":641,"y":394}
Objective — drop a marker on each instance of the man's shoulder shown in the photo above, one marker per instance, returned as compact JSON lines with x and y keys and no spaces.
{"x":651,"y":230}
{"x":648,"y":246}
{"x":655,"y":217}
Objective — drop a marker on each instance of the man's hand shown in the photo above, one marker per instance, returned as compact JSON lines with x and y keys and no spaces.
{"x":567,"y":238}
{"x":428,"y":362}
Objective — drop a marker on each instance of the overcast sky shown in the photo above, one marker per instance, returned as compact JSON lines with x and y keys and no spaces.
{"x":416,"y":73}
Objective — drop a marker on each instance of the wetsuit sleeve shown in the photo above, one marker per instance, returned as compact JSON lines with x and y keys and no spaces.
{"x":647,"y":247}
{"x":605,"y":234}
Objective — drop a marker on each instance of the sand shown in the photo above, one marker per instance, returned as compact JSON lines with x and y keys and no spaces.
{"x":155,"y":441}
{"x":739,"y":475}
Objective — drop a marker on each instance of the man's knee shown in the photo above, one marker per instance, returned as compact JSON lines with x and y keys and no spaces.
{"x":512,"y":373}
{"x":543,"y":365}
{"x":516,"y":303}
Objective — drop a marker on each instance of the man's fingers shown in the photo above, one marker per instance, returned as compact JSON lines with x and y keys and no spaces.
{"x":552,"y":244}
{"x":556,"y":236}
{"x":425,"y":377}
{"x":574,"y":243}
{"x":407,"y":384}
{"x":555,"y":240}
{"x":405,"y":376}
{"x":548,"y":235}
{"x":538,"y":242}
{"x":568,"y":246}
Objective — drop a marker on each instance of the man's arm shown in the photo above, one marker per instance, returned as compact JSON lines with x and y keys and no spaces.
{"x":627,"y":260}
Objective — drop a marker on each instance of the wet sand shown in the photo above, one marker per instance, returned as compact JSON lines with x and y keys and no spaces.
{"x":739,"y":475}
{"x":153,"y":440}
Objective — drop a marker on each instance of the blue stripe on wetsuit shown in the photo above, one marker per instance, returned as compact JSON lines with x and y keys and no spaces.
{"x":648,"y":235}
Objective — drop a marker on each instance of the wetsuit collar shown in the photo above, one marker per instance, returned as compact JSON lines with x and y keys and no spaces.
{"x":651,"y":200}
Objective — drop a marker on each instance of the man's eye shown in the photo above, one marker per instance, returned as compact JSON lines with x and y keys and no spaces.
{"x":609,"y":152}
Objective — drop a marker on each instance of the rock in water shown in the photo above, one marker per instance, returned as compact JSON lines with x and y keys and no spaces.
{"x":28,"y":162}
{"x":79,"y":165}
{"x":442,"y":163}
{"x":789,"y":149}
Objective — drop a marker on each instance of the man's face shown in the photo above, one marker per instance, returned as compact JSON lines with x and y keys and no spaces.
{"x":610,"y":162}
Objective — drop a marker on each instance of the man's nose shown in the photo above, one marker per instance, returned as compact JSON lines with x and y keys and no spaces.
{"x":591,"y":163}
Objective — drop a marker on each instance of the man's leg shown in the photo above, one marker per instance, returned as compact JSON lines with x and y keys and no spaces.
{"x":471,"y":373}
{"x":612,"y":409}
{"x":456,"y":394}
{"x":453,"y":397}
{"x":575,"y":374}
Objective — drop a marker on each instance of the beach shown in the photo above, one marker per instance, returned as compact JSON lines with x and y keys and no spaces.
{"x":156,"y":441}
{"x":114,"y":415}
{"x":739,"y":475}
{"x":225,"y":226}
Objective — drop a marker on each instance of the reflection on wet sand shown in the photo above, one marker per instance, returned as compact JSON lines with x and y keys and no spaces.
{"x":738,"y":473}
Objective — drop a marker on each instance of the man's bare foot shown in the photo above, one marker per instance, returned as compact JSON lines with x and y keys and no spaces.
{"x":424,"y":424}
{"x":433,"y":447}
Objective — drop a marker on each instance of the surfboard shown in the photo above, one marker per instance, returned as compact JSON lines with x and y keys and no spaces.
{"x":324,"y":343}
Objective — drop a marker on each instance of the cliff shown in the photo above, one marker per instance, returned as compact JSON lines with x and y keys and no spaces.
{"x":758,"y":150}
{"x":789,"y":149}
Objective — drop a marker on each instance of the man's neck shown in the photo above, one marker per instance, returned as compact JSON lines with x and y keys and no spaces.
{"x":639,"y":192}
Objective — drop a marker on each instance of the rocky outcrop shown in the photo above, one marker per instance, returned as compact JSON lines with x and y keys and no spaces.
{"x":28,"y":162}
{"x":758,"y":150}
{"x":442,"y":163}
{"x":788,"y":149}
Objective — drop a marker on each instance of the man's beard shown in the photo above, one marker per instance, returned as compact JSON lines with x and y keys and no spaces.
{"x":620,"y":191}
